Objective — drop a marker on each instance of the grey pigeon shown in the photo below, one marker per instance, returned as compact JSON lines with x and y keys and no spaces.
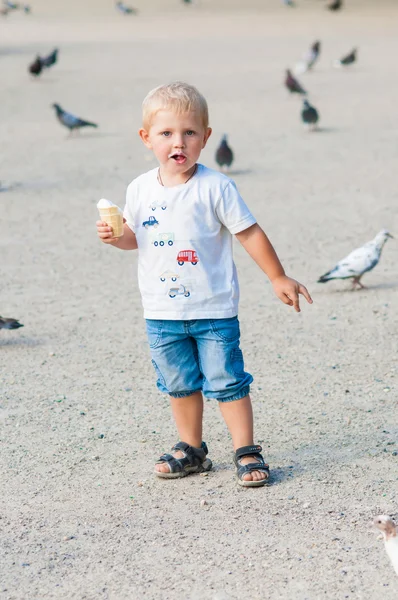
{"x":292,"y":84}
{"x":27,"y":9}
{"x":309,"y":59}
{"x":51,"y":59}
{"x":313,"y":54}
{"x":36,"y":67}
{"x":224,"y":154}
{"x":126,"y":10}
{"x":309,"y":114}
{"x":8,"y":323}
{"x":288,"y":3}
{"x":336,"y":5}
{"x":69,"y":120}
{"x":358,"y":262}
{"x":347,"y":60}
{"x":11,"y":5}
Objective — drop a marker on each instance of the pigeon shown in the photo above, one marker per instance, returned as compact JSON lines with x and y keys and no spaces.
{"x":389,"y":530}
{"x":36,"y":67}
{"x":292,"y":84}
{"x":8,"y":323}
{"x":336,"y":5}
{"x":313,"y":54}
{"x":224,"y":154}
{"x":309,"y":59}
{"x":358,"y":262}
{"x":69,"y":120}
{"x":11,"y":5}
{"x":309,"y":115}
{"x":50,"y":60}
{"x":347,"y":60}
{"x":27,"y":9}
{"x":126,"y":10}
{"x":288,"y":3}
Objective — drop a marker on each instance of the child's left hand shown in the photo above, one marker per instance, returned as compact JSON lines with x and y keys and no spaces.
{"x":288,"y":291}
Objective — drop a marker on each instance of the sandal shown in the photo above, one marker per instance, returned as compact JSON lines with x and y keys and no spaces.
{"x":193,"y":461}
{"x":258,"y":465}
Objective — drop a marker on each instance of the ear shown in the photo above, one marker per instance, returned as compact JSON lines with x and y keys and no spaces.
{"x":206,"y":136}
{"x":144,"y":135}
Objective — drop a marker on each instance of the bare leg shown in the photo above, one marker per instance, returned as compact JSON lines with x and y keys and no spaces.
{"x":188,"y":415}
{"x":238,"y":416}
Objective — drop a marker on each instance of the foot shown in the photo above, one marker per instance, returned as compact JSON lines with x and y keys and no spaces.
{"x":164,"y":467}
{"x":254,"y":475}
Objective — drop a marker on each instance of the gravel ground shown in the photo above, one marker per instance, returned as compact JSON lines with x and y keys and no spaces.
{"x":81,"y":514}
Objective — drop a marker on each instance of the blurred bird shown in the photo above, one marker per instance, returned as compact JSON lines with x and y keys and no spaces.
{"x":313,"y":54}
{"x":224,"y":154}
{"x":288,"y":3}
{"x":8,"y":323}
{"x":358,"y":262}
{"x":309,"y":59}
{"x":347,"y":60}
{"x":389,"y":530}
{"x":292,"y":84}
{"x":126,"y":10}
{"x":11,"y":5}
{"x":69,"y":120}
{"x":336,"y":5}
{"x":27,"y":9}
{"x":50,"y":60}
{"x":309,"y":115}
{"x":36,"y":67}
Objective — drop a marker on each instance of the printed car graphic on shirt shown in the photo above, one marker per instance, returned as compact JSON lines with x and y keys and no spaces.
{"x":187,"y":256}
{"x":152,"y":222}
{"x":154,"y":205}
{"x":169,"y":275}
{"x":160,"y":239}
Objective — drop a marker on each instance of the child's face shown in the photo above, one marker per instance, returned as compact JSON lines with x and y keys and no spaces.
{"x":176,"y":139}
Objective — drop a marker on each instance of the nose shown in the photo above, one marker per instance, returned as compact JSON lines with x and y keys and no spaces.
{"x":179,"y":141}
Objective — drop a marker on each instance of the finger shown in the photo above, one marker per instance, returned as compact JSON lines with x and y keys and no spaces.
{"x":295,"y":301}
{"x":101,"y":224}
{"x":304,"y":292}
{"x":285,"y":299}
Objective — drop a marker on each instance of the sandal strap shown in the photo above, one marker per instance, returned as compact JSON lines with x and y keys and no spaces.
{"x":247,"y":451}
{"x":193,"y":457}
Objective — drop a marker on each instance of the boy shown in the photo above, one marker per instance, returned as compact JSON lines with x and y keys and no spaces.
{"x":181,"y":216}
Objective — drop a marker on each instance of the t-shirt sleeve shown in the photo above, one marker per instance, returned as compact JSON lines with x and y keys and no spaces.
{"x":128,"y":212}
{"x":232,"y":210}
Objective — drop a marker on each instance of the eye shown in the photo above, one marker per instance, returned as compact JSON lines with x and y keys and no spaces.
{"x":190,"y":132}
{"x":166,"y":133}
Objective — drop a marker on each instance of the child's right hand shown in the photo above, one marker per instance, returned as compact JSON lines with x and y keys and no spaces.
{"x":105,"y":233}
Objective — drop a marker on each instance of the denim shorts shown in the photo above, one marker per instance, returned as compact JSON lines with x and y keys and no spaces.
{"x":199,"y":355}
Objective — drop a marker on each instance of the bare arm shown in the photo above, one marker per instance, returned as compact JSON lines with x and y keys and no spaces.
{"x":128,"y":241}
{"x":256,"y":243}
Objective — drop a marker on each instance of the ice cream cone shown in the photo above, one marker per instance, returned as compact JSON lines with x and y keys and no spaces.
{"x":113,"y":217}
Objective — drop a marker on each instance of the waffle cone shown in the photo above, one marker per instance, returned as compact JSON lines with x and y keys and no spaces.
{"x":114,"y":218}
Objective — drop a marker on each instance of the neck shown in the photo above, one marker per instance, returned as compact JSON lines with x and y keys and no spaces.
{"x":169,"y":180}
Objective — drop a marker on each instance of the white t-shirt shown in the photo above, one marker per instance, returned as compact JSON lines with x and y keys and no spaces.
{"x":184,"y":235}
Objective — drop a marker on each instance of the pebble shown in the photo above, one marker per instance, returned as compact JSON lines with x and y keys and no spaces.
{"x":68,"y":537}
{"x":101,"y":436}
{"x":128,"y":389}
{"x":395,"y":453}
{"x":204,"y":474}
{"x":203,"y":503}
{"x":96,"y":457}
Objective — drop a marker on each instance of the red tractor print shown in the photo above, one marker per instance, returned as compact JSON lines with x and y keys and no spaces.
{"x":187,"y":256}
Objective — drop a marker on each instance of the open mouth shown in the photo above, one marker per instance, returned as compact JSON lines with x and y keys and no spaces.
{"x":180,"y":159}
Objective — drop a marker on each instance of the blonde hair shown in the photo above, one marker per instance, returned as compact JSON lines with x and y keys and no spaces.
{"x":178,"y":96}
